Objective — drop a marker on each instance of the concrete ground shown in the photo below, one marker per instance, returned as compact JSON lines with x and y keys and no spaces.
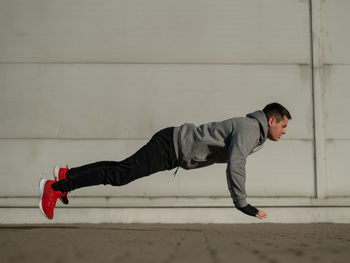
{"x":175,"y":243}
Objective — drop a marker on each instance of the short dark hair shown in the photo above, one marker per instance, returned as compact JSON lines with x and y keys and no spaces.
{"x":276,"y":110}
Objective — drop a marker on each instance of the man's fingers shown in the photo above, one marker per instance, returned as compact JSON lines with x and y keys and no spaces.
{"x":261,"y":214}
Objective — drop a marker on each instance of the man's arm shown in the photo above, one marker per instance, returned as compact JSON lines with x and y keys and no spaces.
{"x":239,"y":150}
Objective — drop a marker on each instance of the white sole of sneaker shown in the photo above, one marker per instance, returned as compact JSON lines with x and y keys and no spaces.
{"x":41,"y":187}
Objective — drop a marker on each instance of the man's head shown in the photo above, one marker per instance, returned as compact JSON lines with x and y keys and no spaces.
{"x":277,"y":120}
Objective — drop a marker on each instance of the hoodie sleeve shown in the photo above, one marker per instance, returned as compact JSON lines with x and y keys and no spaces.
{"x":241,"y":144}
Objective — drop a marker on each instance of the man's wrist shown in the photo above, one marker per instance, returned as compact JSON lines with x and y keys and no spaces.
{"x":248,"y":209}
{"x":240,"y":202}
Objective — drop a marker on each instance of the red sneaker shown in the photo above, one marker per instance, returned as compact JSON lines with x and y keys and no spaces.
{"x":59,"y":174}
{"x":48,"y":197}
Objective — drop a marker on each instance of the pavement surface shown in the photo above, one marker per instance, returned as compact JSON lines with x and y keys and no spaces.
{"x":175,"y":243}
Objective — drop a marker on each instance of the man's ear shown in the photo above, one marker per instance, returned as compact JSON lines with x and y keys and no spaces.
{"x":270,"y":121}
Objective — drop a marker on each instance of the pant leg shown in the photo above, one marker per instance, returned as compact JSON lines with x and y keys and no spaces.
{"x":89,"y":166}
{"x":157,"y":155}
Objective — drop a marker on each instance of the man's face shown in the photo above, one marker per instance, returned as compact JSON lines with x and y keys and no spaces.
{"x":276,"y":129}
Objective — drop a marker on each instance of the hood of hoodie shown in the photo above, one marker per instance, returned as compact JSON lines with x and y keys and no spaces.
{"x":262,"y":120}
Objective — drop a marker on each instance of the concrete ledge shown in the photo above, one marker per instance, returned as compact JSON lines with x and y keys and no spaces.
{"x":175,"y":215}
{"x":175,"y":202}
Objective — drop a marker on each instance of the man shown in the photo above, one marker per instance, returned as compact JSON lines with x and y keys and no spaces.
{"x":186,"y":146}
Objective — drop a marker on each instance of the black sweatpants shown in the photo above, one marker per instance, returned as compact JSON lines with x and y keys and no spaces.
{"x":157,"y":155}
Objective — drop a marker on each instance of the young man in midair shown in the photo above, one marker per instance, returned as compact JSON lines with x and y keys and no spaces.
{"x":186,"y":146}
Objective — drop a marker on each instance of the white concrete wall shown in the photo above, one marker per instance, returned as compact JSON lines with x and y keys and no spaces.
{"x":83,"y":81}
{"x":336,"y":56}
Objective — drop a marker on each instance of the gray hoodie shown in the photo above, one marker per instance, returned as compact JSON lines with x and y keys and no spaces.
{"x":229,"y":141}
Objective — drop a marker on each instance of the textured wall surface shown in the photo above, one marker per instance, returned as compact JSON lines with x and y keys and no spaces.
{"x":82,"y":81}
{"x":336,"y":56}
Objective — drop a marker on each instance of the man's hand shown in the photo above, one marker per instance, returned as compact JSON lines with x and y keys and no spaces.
{"x":252,"y":211}
{"x":261,"y":214}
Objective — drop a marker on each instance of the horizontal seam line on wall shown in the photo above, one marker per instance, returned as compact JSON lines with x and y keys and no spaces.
{"x":160,"y":63}
{"x":127,"y":139}
{"x":175,"y":197}
{"x":199,"y":207}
